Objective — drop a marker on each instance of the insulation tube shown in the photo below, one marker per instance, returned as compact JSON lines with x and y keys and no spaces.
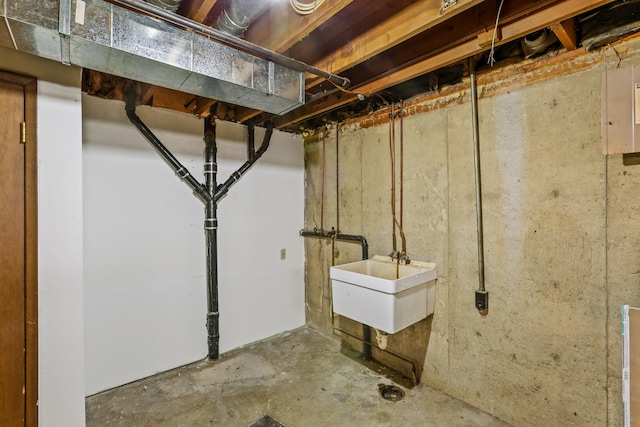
{"x":238,"y":14}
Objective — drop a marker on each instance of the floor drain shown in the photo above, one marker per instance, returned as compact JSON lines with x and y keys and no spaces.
{"x":390,"y":392}
{"x":267,"y":421}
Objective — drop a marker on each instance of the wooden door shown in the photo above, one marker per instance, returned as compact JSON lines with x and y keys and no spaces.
{"x":17,"y":407}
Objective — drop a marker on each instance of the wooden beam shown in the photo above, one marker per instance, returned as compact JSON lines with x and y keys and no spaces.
{"x":203,"y":106}
{"x":243,"y":114}
{"x":555,"y":13}
{"x":489,"y":37}
{"x":200,"y":9}
{"x":281,"y":27}
{"x":566,"y":33}
{"x":419,"y":16}
{"x":146,"y":95}
{"x":172,"y":100}
{"x":543,"y":18}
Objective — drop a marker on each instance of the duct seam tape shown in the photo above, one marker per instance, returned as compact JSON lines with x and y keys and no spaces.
{"x":80,"y":8}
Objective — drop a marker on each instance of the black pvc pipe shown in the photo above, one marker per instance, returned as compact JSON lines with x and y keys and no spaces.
{"x":251,"y":144}
{"x":339,"y":236}
{"x":199,"y":190}
{"x":211,"y":240}
{"x":322,"y":234}
{"x":223,"y":189}
{"x":208,"y":193}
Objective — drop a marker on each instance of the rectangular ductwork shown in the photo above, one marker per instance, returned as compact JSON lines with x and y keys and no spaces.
{"x":104,"y":37}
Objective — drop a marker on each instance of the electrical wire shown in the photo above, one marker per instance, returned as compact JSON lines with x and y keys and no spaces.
{"x":492,"y":59}
{"x":360,"y":95}
{"x":305,"y":8}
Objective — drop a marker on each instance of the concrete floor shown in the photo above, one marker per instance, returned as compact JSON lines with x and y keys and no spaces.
{"x":300,"y":379}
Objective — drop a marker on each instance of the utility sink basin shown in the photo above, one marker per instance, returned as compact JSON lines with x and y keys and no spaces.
{"x":383,"y":294}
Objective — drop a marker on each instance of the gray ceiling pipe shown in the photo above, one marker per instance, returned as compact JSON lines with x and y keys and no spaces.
{"x":171,"y":5}
{"x":238,"y":14}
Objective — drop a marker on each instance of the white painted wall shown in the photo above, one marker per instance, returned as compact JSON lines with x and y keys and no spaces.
{"x":60,"y":293}
{"x":60,"y":314}
{"x":144,"y":274}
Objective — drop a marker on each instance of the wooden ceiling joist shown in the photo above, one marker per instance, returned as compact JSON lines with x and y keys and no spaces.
{"x":406,"y":23}
{"x":199,"y":10}
{"x":376,"y":44}
{"x":566,"y":33}
{"x":281,"y":27}
{"x":558,"y":12}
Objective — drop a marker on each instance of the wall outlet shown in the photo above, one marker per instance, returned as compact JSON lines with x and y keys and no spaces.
{"x":283,"y":254}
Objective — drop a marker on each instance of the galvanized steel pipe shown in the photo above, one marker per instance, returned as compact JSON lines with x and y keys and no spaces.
{"x":238,"y":14}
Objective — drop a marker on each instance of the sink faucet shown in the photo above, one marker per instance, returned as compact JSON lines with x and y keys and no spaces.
{"x":402,"y":257}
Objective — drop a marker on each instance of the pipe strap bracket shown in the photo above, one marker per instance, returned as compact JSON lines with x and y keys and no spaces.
{"x":211,"y":224}
{"x":210,"y":168}
{"x":182,"y":173}
{"x":64,"y":30}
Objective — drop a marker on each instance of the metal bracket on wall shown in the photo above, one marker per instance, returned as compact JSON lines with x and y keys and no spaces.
{"x":64,"y":25}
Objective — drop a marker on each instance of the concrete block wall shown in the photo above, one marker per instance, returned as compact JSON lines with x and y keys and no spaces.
{"x":560,"y":240}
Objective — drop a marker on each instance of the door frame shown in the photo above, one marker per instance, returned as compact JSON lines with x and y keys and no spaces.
{"x":29,"y":85}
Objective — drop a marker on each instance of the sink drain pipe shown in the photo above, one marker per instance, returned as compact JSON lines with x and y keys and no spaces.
{"x":322,"y":234}
{"x":482,"y":296}
{"x":209,"y":194}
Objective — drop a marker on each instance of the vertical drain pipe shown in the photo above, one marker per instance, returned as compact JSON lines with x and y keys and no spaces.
{"x":482,"y":296}
{"x":211,"y":239}
{"x":209,"y":194}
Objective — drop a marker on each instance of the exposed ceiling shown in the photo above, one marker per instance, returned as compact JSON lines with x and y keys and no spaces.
{"x":390,"y":49}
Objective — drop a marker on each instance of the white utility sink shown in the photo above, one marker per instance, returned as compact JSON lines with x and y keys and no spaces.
{"x":383,"y":294}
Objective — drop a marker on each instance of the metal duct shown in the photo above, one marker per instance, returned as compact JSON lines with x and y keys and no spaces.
{"x":104,"y":37}
{"x":171,"y":5}
{"x":238,"y":14}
